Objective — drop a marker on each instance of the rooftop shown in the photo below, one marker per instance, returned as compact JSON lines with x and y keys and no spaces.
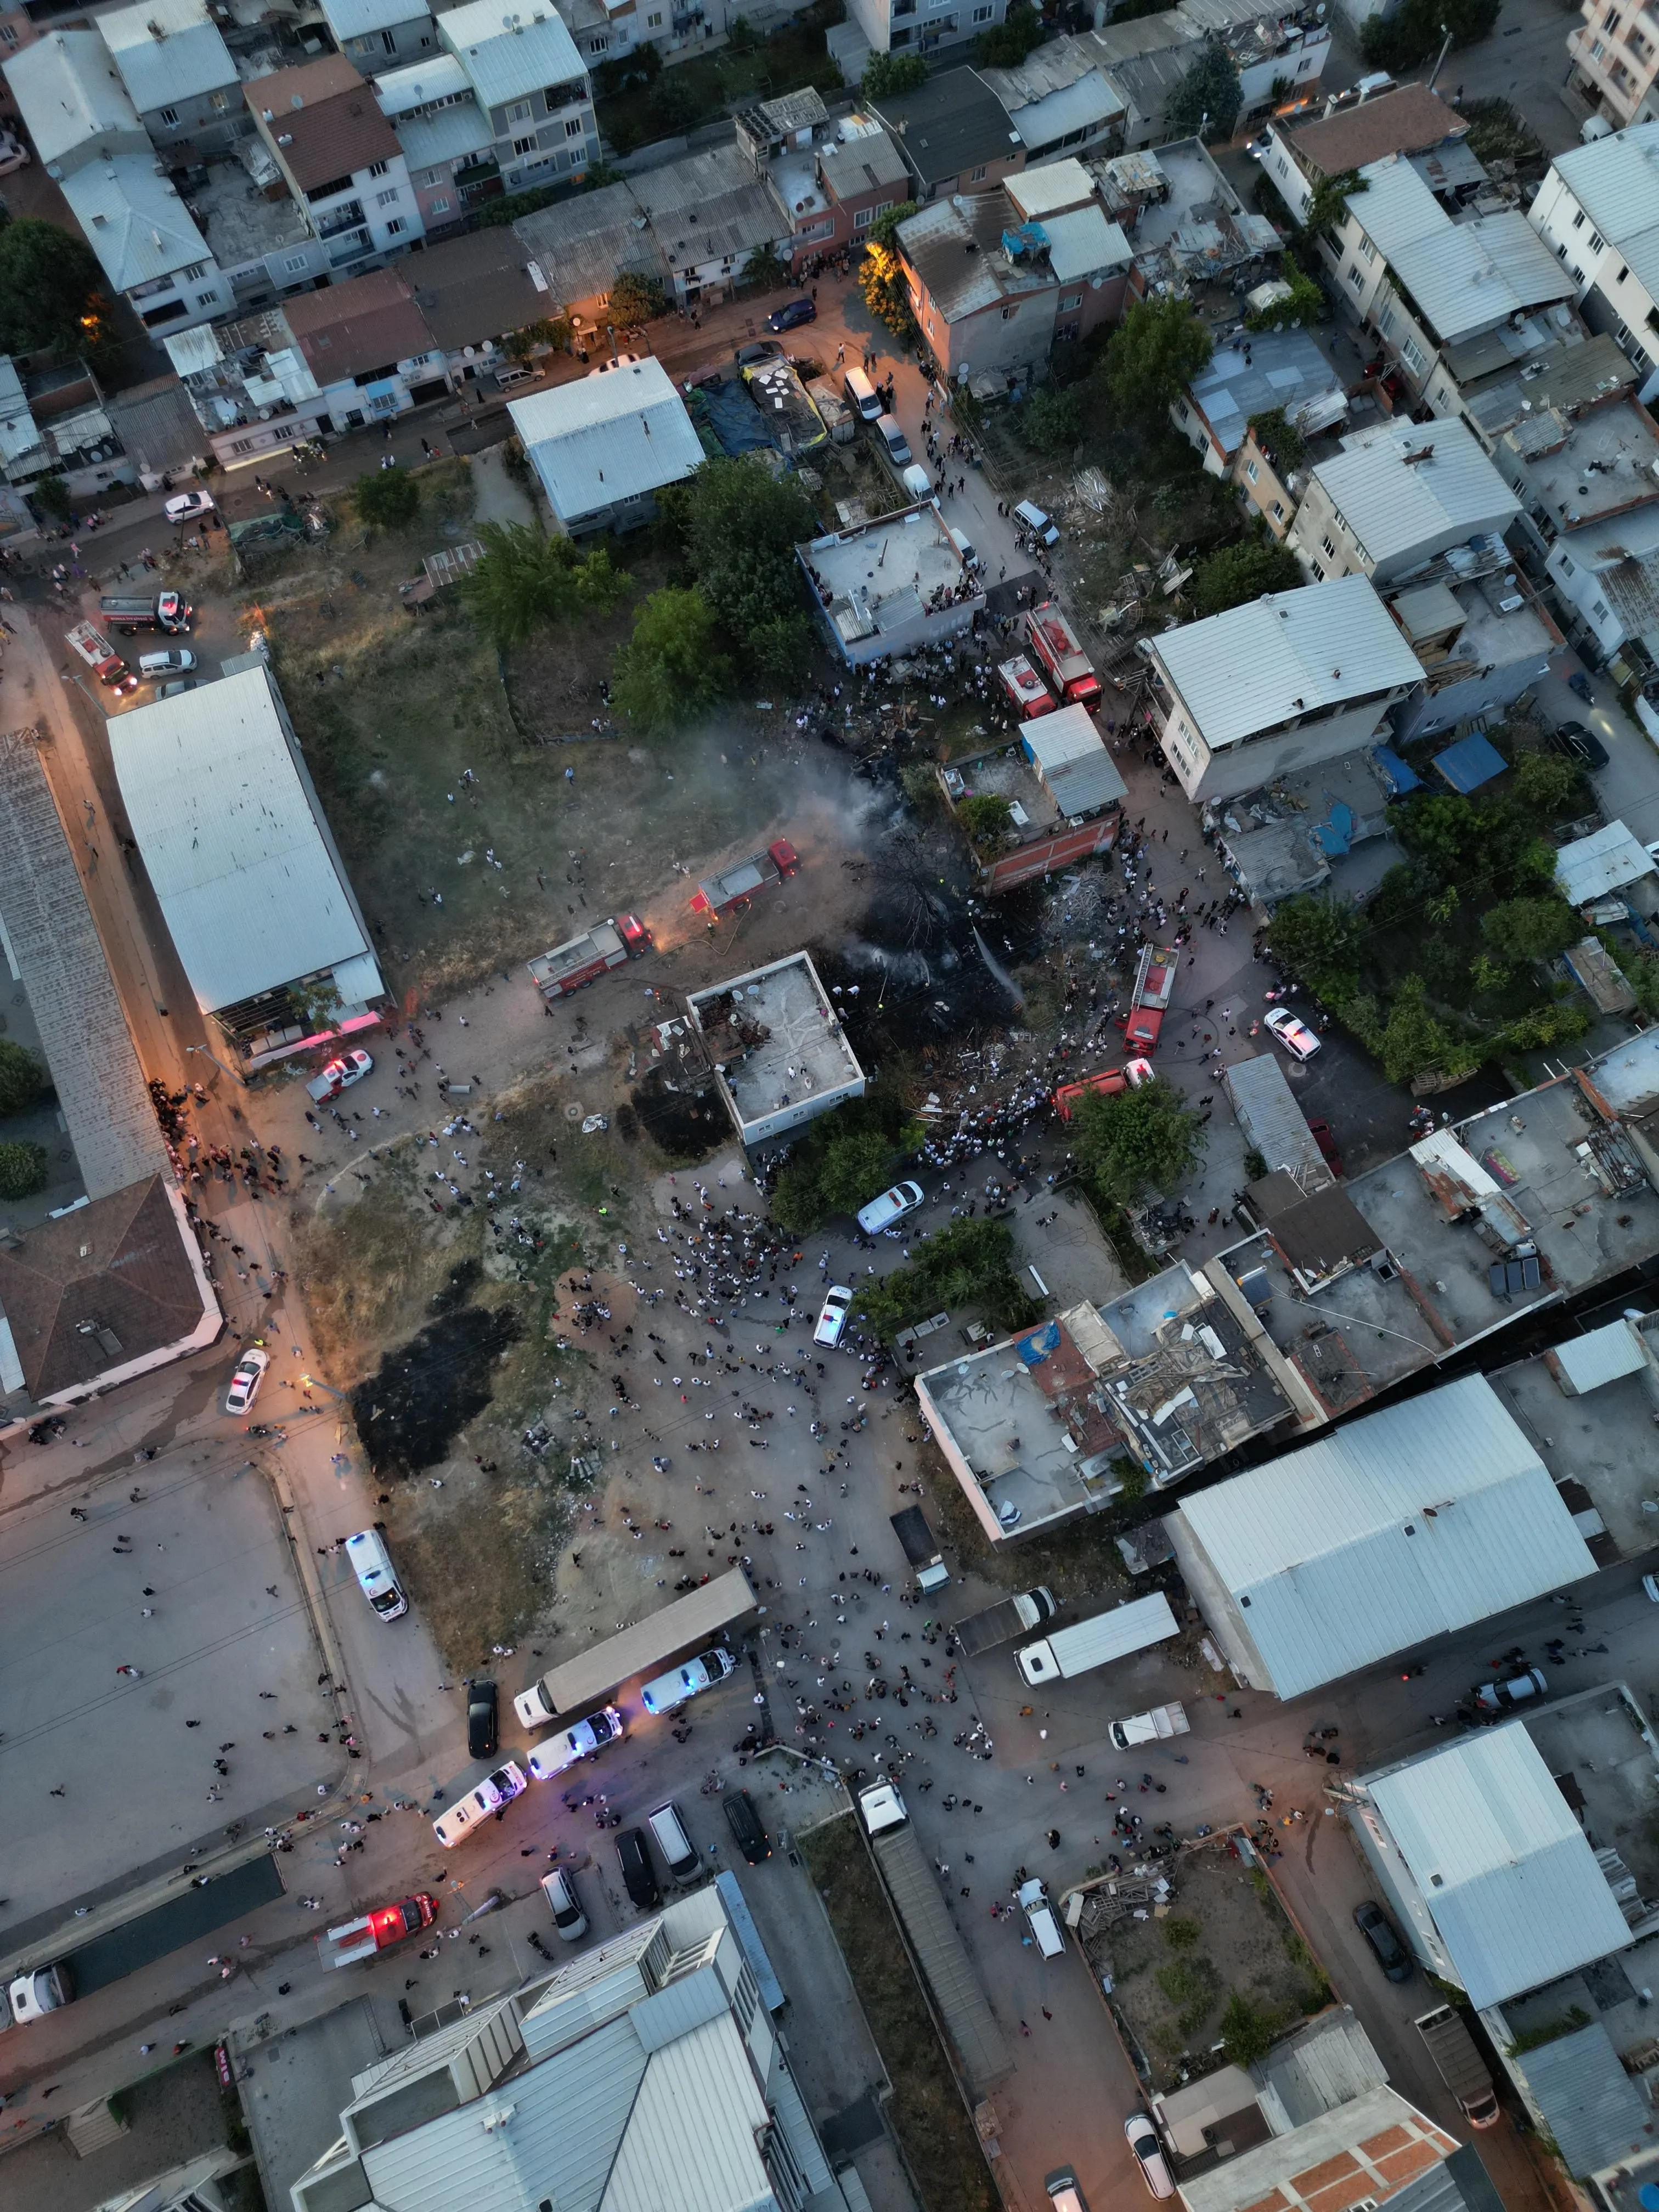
{"x":1491,"y":632}
{"x":1285,"y":369}
{"x":504,"y":64}
{"x":1182,"y":215}
{"x":706,"y":205}
{"x":1059,"y":90}
{"x":1560,"y":378}
{"x":1070,"y":757}
{"x":476,"y":287}
{"x":68,"y":91}
{"x":234,"y":841}
{"x":134,"y":220}
{"x":1616,"y":182}
{"x":367,"y":322}
{"x":1592,"y":467}
{"x":1407,"y":488}
{"x":951,"y":123}
{"x":1284,"y":656}
{"x":861,"y":158}
{"x":1587,"y":1404}
{"x":1356,"y":2154}
{"x":436,"y":76}
{"x":880,"y":576}
{"x":606,"y":439}
{"x":1465,"y":277}
{"x":775,"y":1039}
{"x":166,"y":51}
{"x":361,"y":19}
{"x":240,"y":224}
{"x":448,"y":133}
{"x":1609,"y":858}
{"x":956,"y":247}
{"x":581,"y":243}
{"x":322,"y":119}
{"x":1410,"y":119}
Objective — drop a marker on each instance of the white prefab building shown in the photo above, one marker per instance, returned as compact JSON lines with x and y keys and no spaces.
{"x":780,"y":1053}
{"x":1291,"y":679}
{"x":244,"y":865}
{"x":1404,"y":1525}
{"x":1598,"y":212}
{"x":605,"y":446}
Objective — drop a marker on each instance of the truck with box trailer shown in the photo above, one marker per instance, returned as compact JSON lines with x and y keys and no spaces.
{"x":1271,"y":1122}
{"x":731,"y":890}
{"x":1115,"y":1634}
{"x":921,"y":1549}
{"x":1459,"y":2064}
{"x":355,"y":1939}
{"x":1156,"y":1726}
{"x":701,"y":1617}
{"x":998,"y":1623}
{"x":571,"y":966}
{"x":1061,"y":657}
{"x":166,"y":611}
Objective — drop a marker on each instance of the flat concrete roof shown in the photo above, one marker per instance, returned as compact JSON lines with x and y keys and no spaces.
{"x":1605,"y":466}
{"x":1600,"y":1438}
{"x":777,"y":1039}
{"x":884,"y":574}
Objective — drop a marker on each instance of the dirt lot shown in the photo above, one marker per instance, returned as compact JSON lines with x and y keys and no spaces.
{"x":1224,"y":1938}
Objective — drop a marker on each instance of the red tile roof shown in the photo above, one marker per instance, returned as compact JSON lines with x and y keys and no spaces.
{"x":322,"y":121}
{"x":364,"y":324}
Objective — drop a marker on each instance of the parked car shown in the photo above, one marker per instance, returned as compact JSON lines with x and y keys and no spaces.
{"x":792,"y":315}
{"x":1579,"y":745}
{"x":620,"y":361}
{"x":1297,"y":1039}
{"x":339,"y":1075}
{"x":1064,"y":2191}
{"x":483,"y":1708}
{"x":890,"y":431}
{"x":186,"y":506}
{"x":1145,"y":2143}
{"x":1033,"y":517}
{"x":639,"y":1876}
{"x":882,"y":1211}
{"x":564,"y":1905}
{"x":179,"y":685}
{"x":744,"y":1823}
{"x":14,"y":154}
{"x":245,"y":1382}
{"x":555,"y":1754}
{"x":178,"y":660}
{"x":758,"y":349}
{"x":1320,"y":1133}
{"x":1379,"y":1931}
{"x":1500,"y":1697}
{"x":831,"y":1322}
{"x":672,"y":1689}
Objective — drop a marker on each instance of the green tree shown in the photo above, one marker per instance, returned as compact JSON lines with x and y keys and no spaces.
{"x":1411,"y":1041}
{"x":1239,"y":573}
{"x":1319,"y":939}
{"x":781,"y":649}
{"x":1280,"y":438}
{"x":315,"y":1003}
{"x":1548,"y":787}
{"x":551,"y":333}
{"x":988,"y":820}
{"x":1151,"y":357}
{"x":388,"y":499}
{"x":884,"y":290}
{"x":740,"y":525}
{"x":526,"y":578}
{"x":669,"y":672}
{"x":885,"y":74}
{"x":51,"y":295}
{"x":1329,"y":203}
{"x":1137,"y":1141}
{"x":22,"y":1169}
{"x":1247,"y":2031}
{"x":22,"y":1078}
{"x":635,"y":298}
{"x":1530,"y":928}
{"x":765,"y":270}
{"x":51,"y":496}
{"x":884,"y":231}
{"x":1206,"y":101}
{"x":1414,"y":31}
{"x":855,"y":1167}
{"x":1304,"y":303}
{"x":1051,"y":421}
{"x":1007,"y":44}
{"x":969,"y":1266}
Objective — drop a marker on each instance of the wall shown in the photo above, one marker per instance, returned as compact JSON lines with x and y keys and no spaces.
{"x":1257,"y":761}
{"x":1612,"y":299}
{"x":1017,"y":334}
{"x":1064,"y":850}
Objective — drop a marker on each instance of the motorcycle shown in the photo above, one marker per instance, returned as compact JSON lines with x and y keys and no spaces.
{"x":1579,"y":684}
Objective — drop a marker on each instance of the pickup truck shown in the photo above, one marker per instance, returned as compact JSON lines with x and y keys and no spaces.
{"x":921,"y":1549}
{"x":997,"y":1623}
{"x":1154,"y":1727}
{"x":379,"y":1930}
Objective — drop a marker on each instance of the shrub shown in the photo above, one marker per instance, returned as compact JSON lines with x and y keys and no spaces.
{"x":22,"y":1169}
{"x":22,"y":1078}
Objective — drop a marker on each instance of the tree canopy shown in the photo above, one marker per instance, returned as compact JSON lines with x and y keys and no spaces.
{"x":966,"y":1266}
{"x":1240,"y":572}
{"x":891,"y":73}
{"x":526,"y":578}
{"x":22,"y":1078}
{"x":1051,"y":421}
{"x":1137,"y":1141}
{"x":1007,"y":44}
{"x":1414,"y":31}
{"x":22,"y":1169}
{"x":669,"y":672}
{"x":52,"y":293}
{"x":1206,"y":101}
{"x":740,"y":525}
{"x":844,"y":1159}
{"x":886,"y":294}
{"x":1152,"y":355}
{"x":387,"y":498}
{"x":635,"y":298}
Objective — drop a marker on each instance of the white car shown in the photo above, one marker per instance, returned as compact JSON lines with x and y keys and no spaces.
{"x":339,"y":1075}
{"x":833,"y":1319}
{"x":186,"y":506}
{"x":1144,"y":2142}
{"x":245,"y":1382}
{"x":1297,"y":1039}
{"x":500,"y":1788}
{"x":623,"y":360}
{"x":176,"y":660}
{"x":564,"y":1905}
{"x":672,"y":1690}
{"x":1034,"y":519}
{"x":556,"y":1755}
{"x":882,"y":1211}
{"x":12,"y":153}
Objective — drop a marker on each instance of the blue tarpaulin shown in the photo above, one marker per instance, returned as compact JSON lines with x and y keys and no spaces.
{"x":1399,"y":778}
{"x":1334,"y":837}
{"x":1040,"y":1344}
{"x":733,"y":416}
{"x":1470,"y":762}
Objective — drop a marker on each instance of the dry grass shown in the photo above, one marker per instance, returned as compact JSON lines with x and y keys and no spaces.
{"x":479,"y":1556}
{"x":369,"y":1273}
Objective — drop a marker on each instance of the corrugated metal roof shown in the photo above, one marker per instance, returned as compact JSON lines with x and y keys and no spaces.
{"x":189,"y":58}
{"x":1590,"y":2106}
{"x":1083,"y":242}
{"x":434,"y":76}
{"x":943,"y":1957}
{"x":1500,"y":1860}
{"x":692,"y":2137}
{"x":1394,"y":506}
{"x":70,"y":91}
{"x":242,"y":866}
{"x":446,"y":135}
{"x":135,"y":222}
{"x":1606,"y":861}
{"x":1286,"y":654}
{"x":1314,"y":1546}
{"x":1600,"y":1356}
{"x":605,"y":439}
{"x":1464,"y":276}
{"x":358,"y":19}
{"x":1616,"y":182}
{"x":1283,"y":368}
{"x":506,"y":65}
{"x":1323,"y":2065}
{"x":1071,"y":757}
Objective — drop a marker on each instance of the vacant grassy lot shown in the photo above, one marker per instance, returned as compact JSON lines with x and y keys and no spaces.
{"x":927,"y":2110}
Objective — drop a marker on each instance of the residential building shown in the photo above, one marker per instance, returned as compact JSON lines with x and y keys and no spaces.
{"x":922,"y":27}
{"x":1411,"y":1522}
{"x":377,"y":35}
{"x":1615,"y":62}
{"x":446,"y":138}
{"x":1397,"y":498}
{"x":17,"y":30}
{"x":1598,"y":210}
{"x":831,"y":178}
{"x":1483,"y":643}
{"x":708,"y":212}
{"x":583,"y":244}
{"x":532,"y":88}
{"x":1188,"y":228}
{"x":1290,"y":679}
{"x":892,"y":585}
{"x":779,"y":1054}
{"x":1311,"y":148}
{"x":473,"y":294}
{"x":147,"y":245}
{"x":1060,"y":100}
{"x":340,"y":159}
{"x":1063,"y":791}
{"x":367,"y":347}
{"x":605,"y":446}
{"x":1144,"y":59}
{"x":609,"y":30}
{"x":1280,"y":55}
{"x":992,"y":290}
{"x":1152,"y":1385}
{"x":249,"y":386}
{"x":255,"y":898}
{"x":953,"y":132}
{"x":178,"y":74}
{"x":657,"y":2037}
{"x":70,"y":94}
{"x":1270,"y":373}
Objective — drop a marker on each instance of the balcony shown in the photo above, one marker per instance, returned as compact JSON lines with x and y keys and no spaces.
{"x":348,"y":217}
{"x":347,"y":248}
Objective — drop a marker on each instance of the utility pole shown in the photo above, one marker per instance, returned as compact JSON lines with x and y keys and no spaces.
{"x":1440,"y":60}
{"x":217,"y":1062}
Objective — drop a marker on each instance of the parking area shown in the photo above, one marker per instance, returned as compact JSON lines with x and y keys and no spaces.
{"x":156,"y":1634}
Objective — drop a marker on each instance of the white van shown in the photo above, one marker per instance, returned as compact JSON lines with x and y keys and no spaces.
{"x":668,"y":1833}
{"x":1040,"y":1918}
{"x":471,"y":1811}
{"x":861,"y":395}
{"x":372,"y":1564}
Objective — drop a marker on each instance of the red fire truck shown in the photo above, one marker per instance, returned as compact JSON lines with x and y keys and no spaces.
{"x":731,"y":890}
{"x":1030,"y":694}
{"x":379,"y":1930}
{"x":1106,"y":1085}
{"x":1154,"y":986}
{"x":1062,"y":658}
{"x":100,"y":656}
{"x":567,"y":968}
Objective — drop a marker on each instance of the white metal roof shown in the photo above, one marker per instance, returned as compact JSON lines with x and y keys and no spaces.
{"x":607,"y":438}
{"x":1071,"y":757}
{"x":1394,"y":506}
{"x":1465,"y":276}
{"x":361,"y":19}
{"x":1285,"y":654}
{"x":1052,"y":189}
{"x":1616,"y":182}
{"x":187,"y":59}
{"x":1335,"y":1559}
{"x":446,"y":135}
{"x":1607,"y":858}
{"x":1601,"y":1355}
{"x":434,"y":76}
{"x":506,"y":65}
{"x":242,"y":865}
{"x":135,"y":222}
{"x":68,"y":91}
{"x":1500,"y":1861}
{"x":1083,"y":242}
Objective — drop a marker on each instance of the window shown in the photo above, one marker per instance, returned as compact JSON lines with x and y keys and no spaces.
{"x":1252,"y":471}
{"x":1610,"y":22}
{"x":294,"y":262}
{"x":388,"y":42}
{"x":863,"y":217}
{"x":977,"y":176}
{"x":396,"y":227}
{"x":1413,"y":357}
{"x":522,"y":146}
{"x":1328,"y":546}
{"x":221,"y":101}
{"x":598,"y":46}
{"x":169,"y":115}
{"x":1578,"y":276}
{"x":653,"y":22}
{"x":1596,"y":241}
{"x":1279,"y":510}
{"x":440,"y":207}
{"x":573,"y":128}
{"x":207,"y":299}
{"x":1599,"y":609}
{"x":380,"y":168}
{"x":983,"y":14}
{"x":387,"y":199}
{"x":1386,"y":320}
{"x":1355,"y":276}
{"x":196,"y":269}
{"x":1008,"y":314}
{"x":1620,"y":277}
{"x":520,"y":112}
{"x":1578,"y":220}
{"x":1318,"y":573}
{"x":1070,"y":301}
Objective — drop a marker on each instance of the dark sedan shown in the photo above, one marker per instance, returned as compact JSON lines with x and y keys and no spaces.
{"x":1379,"y":1931}
{"x":791,"y":315}
{"x":1579,"y":745}
{"x":482,"y":1724}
